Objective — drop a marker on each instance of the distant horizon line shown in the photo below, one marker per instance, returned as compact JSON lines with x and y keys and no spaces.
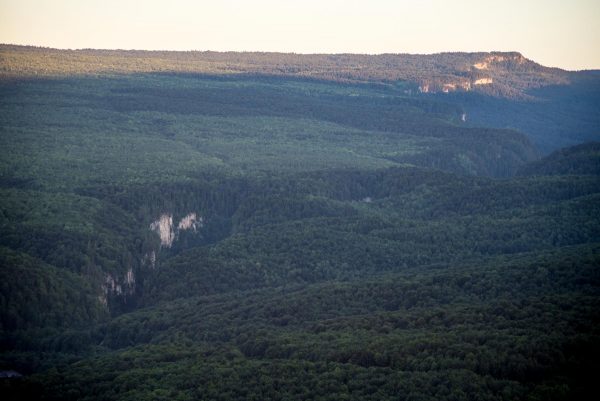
{"x":292,"y":52}
{"x":262,"y":51}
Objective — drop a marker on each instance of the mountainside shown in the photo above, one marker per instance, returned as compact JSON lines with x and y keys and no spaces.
{"x":582,"y":159}
{"x":234,"y":226}
{"x":555,"y":108}
{"x":506,"y":74}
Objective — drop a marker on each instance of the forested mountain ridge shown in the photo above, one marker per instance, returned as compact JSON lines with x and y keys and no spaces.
{"x":554,"y":107}
{"x":510,"y":74}
{"x":577,"y":160}
{"x":200,"y":225}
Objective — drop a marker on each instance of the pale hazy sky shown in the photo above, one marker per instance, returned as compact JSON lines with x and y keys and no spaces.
{"x":562,"y":33}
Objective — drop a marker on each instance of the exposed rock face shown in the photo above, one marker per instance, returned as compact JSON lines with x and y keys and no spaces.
{"x":190,"y":222}
{"x":490,"y":60}
{"x":449,"y":87}
{"x":483,"y":81}
{"x":130,"y":278}
{"x":481,"y":66}
{"x":454,"y":86}
{"x":502,"y":71}
{"x":164,"y":227}
{"x":168,"y":232}
{"x":113,"y":286}
{"x":150,"y":259}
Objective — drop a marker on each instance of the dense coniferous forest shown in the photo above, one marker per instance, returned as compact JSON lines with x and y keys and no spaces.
{"x":263,"y":226}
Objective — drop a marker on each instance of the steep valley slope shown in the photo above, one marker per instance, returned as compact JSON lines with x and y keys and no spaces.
{"x":234,"y":226}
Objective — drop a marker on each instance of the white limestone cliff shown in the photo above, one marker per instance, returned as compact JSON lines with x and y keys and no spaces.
{"x":168,"y":232}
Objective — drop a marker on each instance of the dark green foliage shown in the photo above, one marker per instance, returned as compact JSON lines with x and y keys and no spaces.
{"x":428,"y":333}
{"x":352,"y":240}
{"x":582,"y":159}
{"x":555,"y":117}
{"x":555,"y":108}
{"x":511,"y":72}
{"x":171,"y":127}
{"x":36,"y":295}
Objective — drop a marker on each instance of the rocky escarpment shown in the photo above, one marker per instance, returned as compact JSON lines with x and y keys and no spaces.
{"x":507,"y":74}
{"x":115,"y":285}
{"x":123,"y":286}
{"x":501,"y":74}
{"x":169,"y":232}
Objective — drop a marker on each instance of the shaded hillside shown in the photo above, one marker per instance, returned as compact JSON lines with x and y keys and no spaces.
{"x":554,"y":117}
{"x":582,"y":159}
{"x":201,"y":226}
{"x":150,"y":121}
{"x":346,"y":280}
{"x":555,"y":108}
{"x":86,"y":161}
